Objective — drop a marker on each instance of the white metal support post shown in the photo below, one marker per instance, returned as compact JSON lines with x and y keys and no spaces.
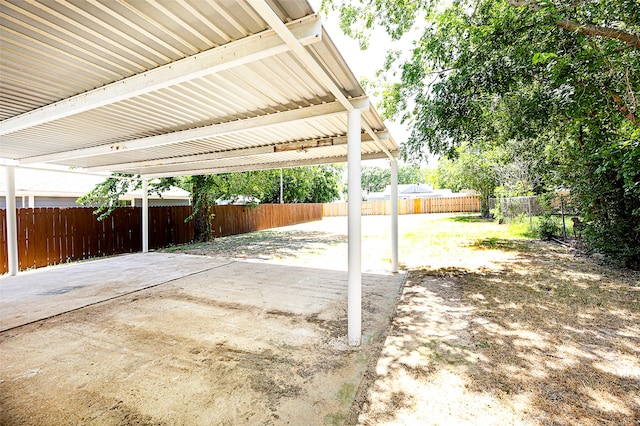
{"x":394,"y":215}
{"x":281,"y":189}
{"x":145,"y":216}
{"x":354,"y":291}
{"x":12,"y":228}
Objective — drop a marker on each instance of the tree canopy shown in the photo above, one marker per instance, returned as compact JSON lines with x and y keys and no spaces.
{"x":555,"y":78}
{"x":376,"y":179}
{"x":312,"y":184}
{"x":474,"y":169}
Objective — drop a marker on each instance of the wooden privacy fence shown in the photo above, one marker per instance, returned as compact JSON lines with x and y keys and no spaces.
{"x":49,"y":236}
{"x":419,"y":205}
{"x":232,"y":220}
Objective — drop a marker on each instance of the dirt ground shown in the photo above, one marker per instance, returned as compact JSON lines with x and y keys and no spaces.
{"x":489,"y":330}
{"x":241,"y":343}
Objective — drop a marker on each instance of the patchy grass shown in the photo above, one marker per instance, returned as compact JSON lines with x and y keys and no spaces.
{"x":501,"y":244}
{"x":423,"y":240}
{"x":556,"y":334}
{"x":346,"y":393}
{"x":468,"y":219}
{"x":494,"y":328}
{"x":440,"y":241}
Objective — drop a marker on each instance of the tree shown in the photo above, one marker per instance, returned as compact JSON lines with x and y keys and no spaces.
{"x":522,"y":168}
{"x":376,"y":179}
{"x":471,"y":168}
{"x":200,"y":189}
{"x":106,"y":195}
{"x":562,"y":76}
{"x":326,"y":184}
{"x":432,"y":177}
{"x":316,"y":184}
{"x":410,"y":174}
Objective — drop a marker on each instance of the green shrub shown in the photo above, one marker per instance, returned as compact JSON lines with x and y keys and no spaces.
{"x":548,"y":227}
{"x":497,"y":213}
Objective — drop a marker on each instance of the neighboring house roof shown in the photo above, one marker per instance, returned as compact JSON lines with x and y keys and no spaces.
{"x":67,"y":183}
{"x":240,"y":200}
{"x":415,"y":190}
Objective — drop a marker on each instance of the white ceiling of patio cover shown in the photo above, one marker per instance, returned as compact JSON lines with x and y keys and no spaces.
{"x":120,"y":86}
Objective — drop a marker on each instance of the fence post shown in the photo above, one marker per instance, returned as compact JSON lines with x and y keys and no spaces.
{"x":564,"y":226}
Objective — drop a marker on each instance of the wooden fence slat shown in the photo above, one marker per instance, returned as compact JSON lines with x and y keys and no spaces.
{"x":414,"y":206}
{"x":80,"y":234}
{"x":119,"y":230}
{"x":53,"y":251}
{"x":29,"y":254}
{"x":77,"y":234}
{"x":232,"y":220}
{"x":135,"y":230}
{"x":22,"y":239}
{"x":42,"y":227}
{"x":53,"y":246}
{"x":64,"y":236}
{"x":95,"y":233}
{"x":22,"y":233}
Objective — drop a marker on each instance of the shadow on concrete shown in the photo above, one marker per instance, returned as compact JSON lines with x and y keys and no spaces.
{"x":268,"y":244}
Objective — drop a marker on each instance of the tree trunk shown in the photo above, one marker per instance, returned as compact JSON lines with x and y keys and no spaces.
{"x":200,"y":202}
{"x":484,"y":206}
{"x":202,"y":225}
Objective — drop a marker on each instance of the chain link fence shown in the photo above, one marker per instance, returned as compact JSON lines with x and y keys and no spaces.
{"x":559,"y":207}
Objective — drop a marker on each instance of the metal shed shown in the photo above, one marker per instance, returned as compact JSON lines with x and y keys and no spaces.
{"x":185,"y":87}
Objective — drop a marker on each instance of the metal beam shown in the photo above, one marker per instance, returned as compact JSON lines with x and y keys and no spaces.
{"x":234,"y":153}
{"x":264,"y":166}
{"x":259,"y":46}
{"x":273,"y":20}
{"x":377,"y":140}
{"x":254,"y":123}
{"x":186,"y":159}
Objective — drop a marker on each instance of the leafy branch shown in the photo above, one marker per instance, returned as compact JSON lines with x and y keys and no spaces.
{"x":631,"y":39}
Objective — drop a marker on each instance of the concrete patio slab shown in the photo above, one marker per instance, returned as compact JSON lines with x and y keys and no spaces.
{"x":42,"y":293}
{"x":187,"y":340}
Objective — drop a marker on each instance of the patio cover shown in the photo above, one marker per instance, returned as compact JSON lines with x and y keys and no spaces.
{"x":185,"y":87}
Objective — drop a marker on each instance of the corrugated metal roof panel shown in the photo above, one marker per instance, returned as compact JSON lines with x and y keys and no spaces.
{"x":53,"y":51}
